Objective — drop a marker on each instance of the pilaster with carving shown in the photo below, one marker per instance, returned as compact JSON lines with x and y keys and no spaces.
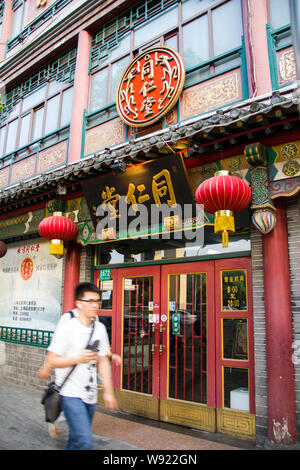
{"x":263,"y":218}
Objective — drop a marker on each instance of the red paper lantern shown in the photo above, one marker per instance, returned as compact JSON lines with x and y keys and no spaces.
{"x":58,"y":229}
{"x":223,"y":195}
{"x":3,"y":249}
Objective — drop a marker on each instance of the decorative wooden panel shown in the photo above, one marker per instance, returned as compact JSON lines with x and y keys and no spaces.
{"x":236,"y":423}
{"x":4,"y":175}
{"x":36,"y":7}
{"x":52,"y":157}
{"x":106,"y":134}
{"x":286,"y":66}
{"x":23,"y":169}
{"x":188,"y":414}
{"x":211,"y":94}
{"x":135,"y":403}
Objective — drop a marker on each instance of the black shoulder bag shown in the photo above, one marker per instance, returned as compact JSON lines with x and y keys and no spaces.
{"x":51,"y":395}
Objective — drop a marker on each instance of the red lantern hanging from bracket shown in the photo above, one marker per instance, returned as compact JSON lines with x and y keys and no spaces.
{"x":223,"y":195}
{"x":58,"y":229}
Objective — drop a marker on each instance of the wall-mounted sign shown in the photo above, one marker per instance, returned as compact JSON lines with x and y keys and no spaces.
{"x":234,"y":290}
{"x":150,"y":86}
{"x":145,"y":201}
{"x":30,"y":288}
{"x":105,"y":275}
{"x":176,"y":324}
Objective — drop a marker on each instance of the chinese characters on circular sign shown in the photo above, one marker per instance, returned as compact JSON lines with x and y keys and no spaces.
{"x":150,"y":86}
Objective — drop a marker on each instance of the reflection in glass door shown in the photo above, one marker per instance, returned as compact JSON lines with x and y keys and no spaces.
{"x":187,"y":337}
{"x":137,"y":353}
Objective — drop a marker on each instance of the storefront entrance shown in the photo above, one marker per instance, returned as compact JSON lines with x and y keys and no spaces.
{"x":184,"y":332}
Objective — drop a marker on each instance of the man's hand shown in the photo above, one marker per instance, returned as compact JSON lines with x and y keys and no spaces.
{"x":110,"y":401}
{"x":116,"y":358}
{"x":44,"y":373}
{"x":87,"y":356}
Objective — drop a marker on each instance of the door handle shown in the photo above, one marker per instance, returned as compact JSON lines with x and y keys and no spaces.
{"x":153,"y":348}
{"x":162,"y":347}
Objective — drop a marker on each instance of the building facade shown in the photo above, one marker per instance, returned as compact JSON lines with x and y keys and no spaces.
{"x":208,"y":334}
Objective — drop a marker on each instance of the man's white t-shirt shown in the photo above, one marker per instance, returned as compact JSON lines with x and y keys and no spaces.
{"x":69,"y":340}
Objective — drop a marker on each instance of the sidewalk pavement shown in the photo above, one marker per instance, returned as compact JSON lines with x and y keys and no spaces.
{"x":23,"y":427}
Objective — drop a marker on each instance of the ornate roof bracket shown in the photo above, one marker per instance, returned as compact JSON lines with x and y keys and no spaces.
{"x":263,"y":217}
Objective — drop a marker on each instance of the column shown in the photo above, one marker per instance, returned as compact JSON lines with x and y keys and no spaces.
{"x":257,"y":20}
{"x":80,"y":95}
{"x":6,"y":27}
{"x":280,"y":369}
{"x":72,"y":273}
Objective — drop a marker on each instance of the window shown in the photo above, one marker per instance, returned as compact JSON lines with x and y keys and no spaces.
{"x":19,"y":17}
{"x":207,"y":34}
{"x":281,"y":54}
{"x":279,"y":13}
{"x":42,"y":112}
{"x":11,"y":135}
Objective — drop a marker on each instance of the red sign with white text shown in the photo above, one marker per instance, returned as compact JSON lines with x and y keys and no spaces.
{"x":150,"y":86}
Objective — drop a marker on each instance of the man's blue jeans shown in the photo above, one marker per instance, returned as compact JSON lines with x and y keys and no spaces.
{"x":79,"y":416}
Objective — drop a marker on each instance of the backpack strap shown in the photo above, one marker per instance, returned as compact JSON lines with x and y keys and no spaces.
{"x":71,"y":314}
{"x":73,"y":367}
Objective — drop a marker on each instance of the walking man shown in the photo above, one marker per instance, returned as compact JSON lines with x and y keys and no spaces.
{"x":69,"y":348}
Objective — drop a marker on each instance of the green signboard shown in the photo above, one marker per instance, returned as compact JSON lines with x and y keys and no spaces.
{"x":105,"y":275}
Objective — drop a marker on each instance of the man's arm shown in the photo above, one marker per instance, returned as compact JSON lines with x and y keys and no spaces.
{"x":108,"y":394}
{"x":55,"y":361}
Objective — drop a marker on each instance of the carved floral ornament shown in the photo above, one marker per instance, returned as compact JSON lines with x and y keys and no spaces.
{"x":150,"y":86}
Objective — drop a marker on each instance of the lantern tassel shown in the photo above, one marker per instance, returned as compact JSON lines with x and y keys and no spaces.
{"x":224,"y":223}
{"x":56,"y":247}
{"x":225,"y":239}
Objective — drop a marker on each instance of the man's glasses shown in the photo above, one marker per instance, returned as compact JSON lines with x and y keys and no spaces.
{"x":91,"y":301}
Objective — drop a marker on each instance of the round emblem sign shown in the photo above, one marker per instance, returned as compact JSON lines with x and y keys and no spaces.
{"x":150,"y":86}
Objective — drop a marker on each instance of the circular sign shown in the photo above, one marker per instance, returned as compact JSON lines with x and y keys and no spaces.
{"x":150,"y":86}
{"x":26,"y":269}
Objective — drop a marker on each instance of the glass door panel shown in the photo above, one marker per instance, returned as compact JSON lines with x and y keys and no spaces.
{"x":137,"y":355}
{"x":234,"y":335}
{"x":187,"y":312}
{"x":187,"y":337}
